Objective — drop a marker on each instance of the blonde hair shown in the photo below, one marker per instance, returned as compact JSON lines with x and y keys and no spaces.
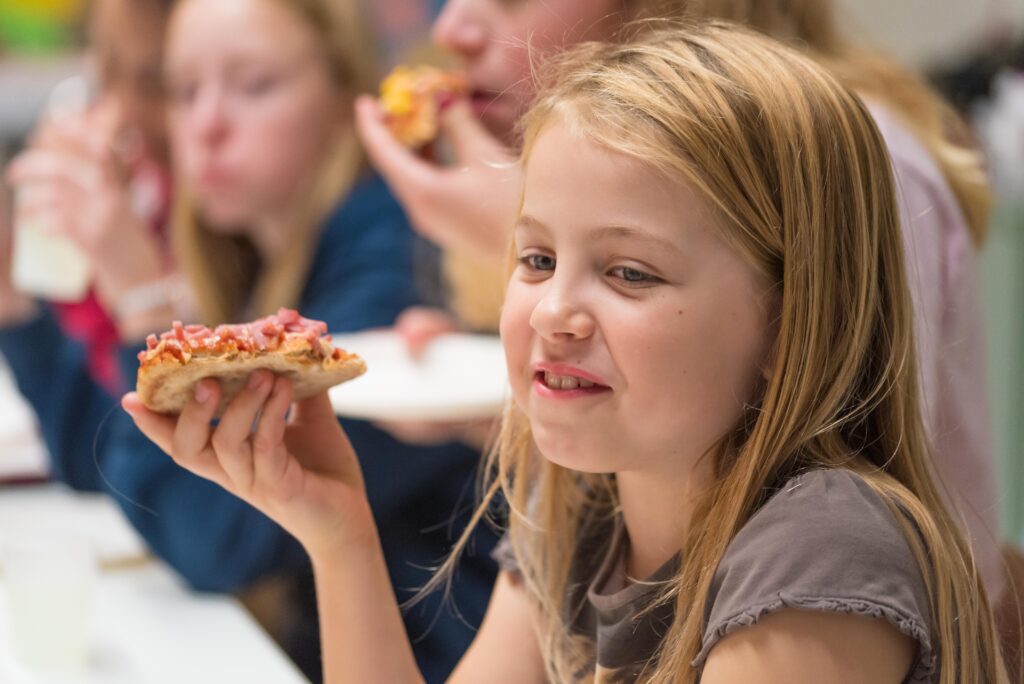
{"x":224,"y":271}
{"x":811,"y":25}
{"x":796,"y":167}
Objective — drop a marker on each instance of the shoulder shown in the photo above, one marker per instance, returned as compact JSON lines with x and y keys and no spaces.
{"x":803,"y":647}
{"x":921,"y":185}
{"x":369,"y":200}
{"x":903,"y":145}
{"x":362,"y":269}
{"x":825,"y":542}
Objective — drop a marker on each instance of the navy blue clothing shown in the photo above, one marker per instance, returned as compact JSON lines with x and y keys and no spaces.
{"x":361,"y":277}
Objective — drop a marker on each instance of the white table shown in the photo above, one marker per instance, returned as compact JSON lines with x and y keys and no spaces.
{"x":147,"y":627}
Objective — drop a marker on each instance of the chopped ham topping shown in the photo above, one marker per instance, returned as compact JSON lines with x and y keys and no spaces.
{"x":264,"y":334}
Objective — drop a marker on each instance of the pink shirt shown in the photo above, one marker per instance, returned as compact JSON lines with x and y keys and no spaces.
{"x":941,"y":264}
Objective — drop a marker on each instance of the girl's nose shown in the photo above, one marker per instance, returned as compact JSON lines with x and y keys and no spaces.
{"x":460,"y":29}
{"x":561,"y":317}
{"x":208,"y":118}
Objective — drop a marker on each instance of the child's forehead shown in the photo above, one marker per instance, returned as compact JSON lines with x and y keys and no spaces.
{"x":563,"y":158}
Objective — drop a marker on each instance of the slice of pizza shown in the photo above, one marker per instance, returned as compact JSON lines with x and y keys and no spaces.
{"x":411,"y":98}
{"x":285,"y":343}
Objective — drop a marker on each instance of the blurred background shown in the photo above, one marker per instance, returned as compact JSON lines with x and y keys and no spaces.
{"x":973,"y":51}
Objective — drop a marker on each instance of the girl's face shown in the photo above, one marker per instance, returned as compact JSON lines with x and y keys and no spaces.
{"x":634,"y":336}
{"x":494,"y":40}
{"x":127,"y":42}
{"x":252,"y":106}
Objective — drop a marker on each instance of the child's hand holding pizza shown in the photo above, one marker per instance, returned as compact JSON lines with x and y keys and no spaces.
{"x":293,"y":462}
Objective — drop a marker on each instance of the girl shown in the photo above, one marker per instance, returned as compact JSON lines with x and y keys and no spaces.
{"x":276,"y":208}
{"x":103,"y":177}
{"x":943,"y":196}
{"x":714,"y":459}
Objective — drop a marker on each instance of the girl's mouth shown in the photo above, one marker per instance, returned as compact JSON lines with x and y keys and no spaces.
{"x":552,"y":384}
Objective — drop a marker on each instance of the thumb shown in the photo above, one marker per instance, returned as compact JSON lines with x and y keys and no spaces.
{"x":470,"y":141}
{"x":404,"y":171}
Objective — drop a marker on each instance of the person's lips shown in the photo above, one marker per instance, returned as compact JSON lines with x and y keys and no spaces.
{"x":563,"y":380}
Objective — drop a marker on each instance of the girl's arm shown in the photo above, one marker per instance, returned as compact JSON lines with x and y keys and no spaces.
{"x":302,"y":472}
{"x":361,"y":631}
{"x":505,"y":650}
{"x":72,"y":408}
{"x":799,"y":646}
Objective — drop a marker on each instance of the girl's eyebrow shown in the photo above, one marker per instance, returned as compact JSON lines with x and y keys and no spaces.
{"x":611,"y":232}
{"x":527,"y":221}
{"x":634,"y":233}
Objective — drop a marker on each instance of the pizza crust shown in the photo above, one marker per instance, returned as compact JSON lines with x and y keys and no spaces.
{"x":166,"y":383}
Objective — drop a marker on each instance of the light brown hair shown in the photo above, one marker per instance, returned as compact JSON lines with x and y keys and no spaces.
{"x":793,"y":161}
{"x":810,"y":25}
{"x":224,"y":271}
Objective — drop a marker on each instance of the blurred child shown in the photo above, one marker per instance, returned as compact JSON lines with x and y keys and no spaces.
{"x":715,"y":460}
{"x":276,"y":208}
{"x":101,"y":176}
{"x":943,"y":195}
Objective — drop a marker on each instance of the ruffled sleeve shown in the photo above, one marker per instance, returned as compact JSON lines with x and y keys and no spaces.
{"x":825,"y":542}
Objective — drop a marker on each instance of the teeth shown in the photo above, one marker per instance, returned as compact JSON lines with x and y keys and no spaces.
{"x":565,"y":382}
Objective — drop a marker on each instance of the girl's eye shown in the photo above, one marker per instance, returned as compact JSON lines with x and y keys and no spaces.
{"x":257,"y":85}
{"x":633,"y":276}
{"x":538,"y":262}
{"x":181,"y":93}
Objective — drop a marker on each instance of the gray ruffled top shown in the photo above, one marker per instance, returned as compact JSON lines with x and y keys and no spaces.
{"x":824,"y":542}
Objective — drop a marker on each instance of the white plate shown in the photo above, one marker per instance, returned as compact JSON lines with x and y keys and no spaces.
{"x":458,"y":377}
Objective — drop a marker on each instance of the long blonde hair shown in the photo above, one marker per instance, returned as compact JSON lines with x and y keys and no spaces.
{"x":224,"y":271}
{"x":795,"y":164}
{"x":811,"y":25}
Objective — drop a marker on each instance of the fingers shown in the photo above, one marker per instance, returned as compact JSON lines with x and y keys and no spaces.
{"x":46,"y":166}
{"x":404,"y":171}
{"x":231,"y":438}
{"x":270,"y":458}
{"x":191,"y":444}
{"x":471,"y":142}
{"x":418,"y":326}
{"x":313,"y":409}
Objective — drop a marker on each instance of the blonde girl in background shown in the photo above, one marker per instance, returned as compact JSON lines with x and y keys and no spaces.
{"x":714,"y":459}
{"x":942,"y":195}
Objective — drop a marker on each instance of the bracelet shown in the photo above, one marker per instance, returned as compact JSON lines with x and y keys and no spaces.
{"x":143,"y":298}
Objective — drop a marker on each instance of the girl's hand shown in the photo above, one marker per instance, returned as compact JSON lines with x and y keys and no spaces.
{"x":14,"y":306}
{"x":468,"y":207}
{"x":300,"y":471}
{"x":419,"y":325}
{"x":75,"y":177}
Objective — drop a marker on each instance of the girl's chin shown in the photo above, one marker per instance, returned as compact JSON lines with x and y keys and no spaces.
{"x":575,"y":456}
{"x":224,"y":220}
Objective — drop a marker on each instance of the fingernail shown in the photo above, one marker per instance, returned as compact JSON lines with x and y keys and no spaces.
{"x":202,"y":393}
{"x":255,"y":381}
